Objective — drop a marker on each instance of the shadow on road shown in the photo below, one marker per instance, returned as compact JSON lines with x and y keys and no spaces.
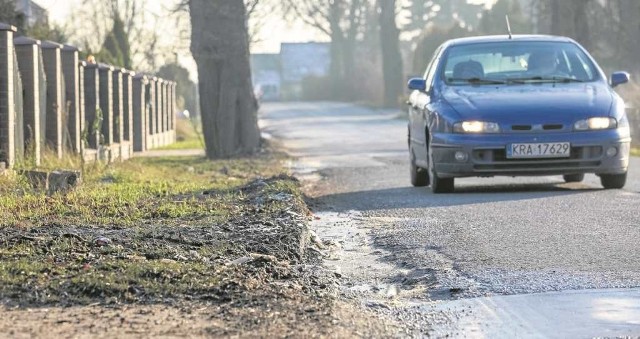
{"x":410,"y":197}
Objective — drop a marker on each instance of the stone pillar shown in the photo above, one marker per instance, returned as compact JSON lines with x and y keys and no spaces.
{"x":71,"y":72}
{"x":33,"y":80}
{"x":93,"y":120}
{"x":174,"y":111}
{"x":118,"y":107}
{"x":140,"y":113}
{"x":165,"y":118}
{"x":52,"y":57}
{"x":153,"y":107}
{"x":106,"y":103}
{"x":160,"y":113}
{"x":127,"y":115}
{"x":81,"y":106}
{"x":7,"y":99}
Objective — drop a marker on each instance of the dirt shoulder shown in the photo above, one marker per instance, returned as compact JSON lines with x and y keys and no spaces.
{"x":169,"y":247}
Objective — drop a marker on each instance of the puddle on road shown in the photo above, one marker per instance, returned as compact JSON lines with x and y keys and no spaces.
{"x":349,"y":249}
{"x":568,"y":314}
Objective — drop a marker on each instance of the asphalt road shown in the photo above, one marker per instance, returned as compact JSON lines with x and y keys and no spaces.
{"x":473,"y":263}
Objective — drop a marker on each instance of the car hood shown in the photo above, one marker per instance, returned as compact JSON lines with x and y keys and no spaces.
{"x":530,"y":103}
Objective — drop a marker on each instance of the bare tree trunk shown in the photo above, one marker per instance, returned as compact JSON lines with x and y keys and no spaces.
{"x":220,"y":46}
{"x":336,"y":69}
{"x":581,"y":22}
{"x":391,"y":56}
{"x":571,"y":18}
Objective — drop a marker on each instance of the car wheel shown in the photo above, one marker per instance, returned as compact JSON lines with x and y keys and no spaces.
{"x":613,"y":181}
{"x":419,"y":176}
{"x":439,"y":185}
{"x":569,"y":178}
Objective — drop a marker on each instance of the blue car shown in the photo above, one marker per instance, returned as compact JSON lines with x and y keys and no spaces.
{"x":516,"y":106}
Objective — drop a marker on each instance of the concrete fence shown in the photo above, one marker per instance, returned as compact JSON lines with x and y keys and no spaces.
{"x":49,"y":99}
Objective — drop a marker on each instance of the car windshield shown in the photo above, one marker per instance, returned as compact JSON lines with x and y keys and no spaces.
{"x":517,"y":62}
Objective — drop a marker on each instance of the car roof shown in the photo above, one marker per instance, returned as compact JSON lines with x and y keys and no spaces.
{"x":505,"y":38}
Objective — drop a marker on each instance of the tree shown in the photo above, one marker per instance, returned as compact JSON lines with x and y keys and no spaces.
{"x":571,"y":18}
{"x":417,"y":15}
{"x":186,"y":89}
{"x":220,"y":46}
{"x":391,"y":56}
{"x":493,"y":20}
{"x":116,"y":49}
{"x":9,"y":15}
{"x":47,"y":31}
{"x":342,"y":22}
{"x":117,"y":31}
{"x":430,"y":40}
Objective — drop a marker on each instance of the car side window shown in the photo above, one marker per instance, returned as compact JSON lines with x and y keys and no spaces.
{"x":432,"y":73}
{"x":431,"y":70}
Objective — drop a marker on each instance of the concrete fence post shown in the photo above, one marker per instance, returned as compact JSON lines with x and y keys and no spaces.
{"x":140,"y":113}
{"x":81,"y":108}
{"x":106,"y":103}
{"x":118,"y":107}
{"x":56,"y":117}
{"x":71,"y":73}
{"x":34,"y":109}
{"x":118,"y":112}
{"x":165,"y":90}
{"x":153,"y":108}
{"x":127,"y":114}
{"x":174,"y":111}
{"x":93,"y":119}
{"x":7,"y":103}
{"x":160,"y":112}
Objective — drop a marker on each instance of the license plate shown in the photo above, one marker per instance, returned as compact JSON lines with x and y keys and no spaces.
{"x":539,"y":150}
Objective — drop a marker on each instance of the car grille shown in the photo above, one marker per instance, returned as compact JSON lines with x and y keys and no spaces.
{"x":496,"y":160}
{"x":537,"y":128}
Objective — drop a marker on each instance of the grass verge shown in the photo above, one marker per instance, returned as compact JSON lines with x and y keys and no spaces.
{"x":149,"y":230}
{"x":223,"y":245}
{"x":188,"y":135}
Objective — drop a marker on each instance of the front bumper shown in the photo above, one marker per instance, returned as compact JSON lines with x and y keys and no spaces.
{"x":487,"y":154}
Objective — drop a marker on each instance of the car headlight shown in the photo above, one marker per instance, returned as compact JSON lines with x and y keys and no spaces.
{"x":595,"y":124}
{"x":476,"y":127}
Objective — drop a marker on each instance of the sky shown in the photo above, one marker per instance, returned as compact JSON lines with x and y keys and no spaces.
{"x":277,"y":30}
{"x":274,"y":32}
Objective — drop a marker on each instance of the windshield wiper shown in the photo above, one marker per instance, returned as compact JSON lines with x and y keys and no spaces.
{"x":565,"y":79}
{"x":543,"y":79}
{"x":479,"y":81}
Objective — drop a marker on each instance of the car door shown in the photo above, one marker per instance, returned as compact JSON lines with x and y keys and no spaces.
{"x":416,"y":121}
{"x":420,"y":101}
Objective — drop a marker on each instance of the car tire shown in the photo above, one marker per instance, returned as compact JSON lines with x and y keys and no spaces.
{"x":569,"y":178}
{"x":613,"y":181}
{"x":419,"y":176}
{"x":439,"y":185}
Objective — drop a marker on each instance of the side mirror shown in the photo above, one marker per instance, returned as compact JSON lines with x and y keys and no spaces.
{"x":417,"y":84}
{"x":619,"y":78}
